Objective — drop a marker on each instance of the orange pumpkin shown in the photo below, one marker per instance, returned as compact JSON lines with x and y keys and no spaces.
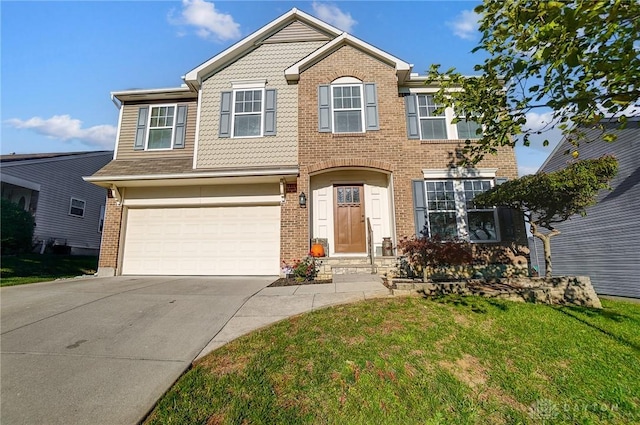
{"x":317,"y":250}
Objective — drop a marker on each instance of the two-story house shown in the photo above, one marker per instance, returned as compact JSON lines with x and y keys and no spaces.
{"x":297,"y":132}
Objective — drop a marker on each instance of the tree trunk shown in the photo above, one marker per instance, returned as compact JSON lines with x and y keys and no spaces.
{"x":546,"y":244}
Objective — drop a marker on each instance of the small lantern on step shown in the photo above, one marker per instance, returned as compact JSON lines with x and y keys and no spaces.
{"x":303,"y":200}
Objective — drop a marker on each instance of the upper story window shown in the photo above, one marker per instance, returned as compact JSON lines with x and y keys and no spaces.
{"x":348,"y":114}
{"x":432,"y":125}
{"x":249,"y":110}
{"x":467,"y":127}
{"x":76,"y":207}
{"x":247,"y":113}
{"x":161,"y":127}
{"x":424,"y":123}
{"x":347,"y":105}
{"x":161,"y":122}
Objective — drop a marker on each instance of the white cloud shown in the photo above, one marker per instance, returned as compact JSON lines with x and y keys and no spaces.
{"x":465,"y":25}
{"x":332,"y":14}
{"x":65,"y":128}
{"x":209,"y":23}
{"x":544,"y":123}
{"x":538,"y":122}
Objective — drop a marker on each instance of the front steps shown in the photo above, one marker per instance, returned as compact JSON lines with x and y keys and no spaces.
{"x":328,"y":266}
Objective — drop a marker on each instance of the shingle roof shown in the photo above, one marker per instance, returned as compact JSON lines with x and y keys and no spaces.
{"x":27,"y":156}
{"x":147,"y":166}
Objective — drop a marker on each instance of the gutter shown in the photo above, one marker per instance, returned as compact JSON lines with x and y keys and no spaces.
{"x":113,"y":99}
{"x":210,"y":174}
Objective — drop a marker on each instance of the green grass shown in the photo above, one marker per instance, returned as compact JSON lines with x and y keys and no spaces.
{"x":411,"y":360}
{"x":30,"y":268}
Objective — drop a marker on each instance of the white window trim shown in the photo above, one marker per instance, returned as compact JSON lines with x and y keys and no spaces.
{"x":458,"y":176}
{"x":462,"y":119}
{"x":347,"y":82}
{"x":494,"y":210}
{"x":173,"y":127}
{"x":459,"y":173}
{"x":449,"y":116}
{"x":247,"y":85}
{"x":233,"y":111}
{"x":84,"y":207}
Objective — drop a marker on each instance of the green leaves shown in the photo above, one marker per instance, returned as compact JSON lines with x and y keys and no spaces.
{"x":554,"y":197}
{"x":575,"y":57}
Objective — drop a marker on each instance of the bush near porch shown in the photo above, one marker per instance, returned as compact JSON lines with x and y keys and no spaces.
{"x":449,"y":260}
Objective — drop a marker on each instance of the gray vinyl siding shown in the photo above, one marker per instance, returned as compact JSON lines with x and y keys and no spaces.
{"x":128,"y":128}
{"x":605,"y":244}
{"x":60,"y":179}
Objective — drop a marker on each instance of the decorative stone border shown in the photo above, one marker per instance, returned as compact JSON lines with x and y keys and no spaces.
{"x":562,"y":290}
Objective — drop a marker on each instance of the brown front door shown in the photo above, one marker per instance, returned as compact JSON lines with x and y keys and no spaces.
{"x":348,"y":216}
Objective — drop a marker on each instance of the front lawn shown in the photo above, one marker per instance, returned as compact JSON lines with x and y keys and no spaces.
{"x":410,"y":360}
{"x":30,"y":268}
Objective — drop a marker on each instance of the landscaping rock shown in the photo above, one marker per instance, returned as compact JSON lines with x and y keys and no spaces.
{"x":562,"y":290}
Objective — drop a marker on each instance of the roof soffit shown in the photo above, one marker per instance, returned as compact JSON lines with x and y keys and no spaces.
{"x":195,"y":77}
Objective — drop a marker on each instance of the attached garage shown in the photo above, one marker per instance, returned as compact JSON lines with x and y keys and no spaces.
{"x":221,"y":240}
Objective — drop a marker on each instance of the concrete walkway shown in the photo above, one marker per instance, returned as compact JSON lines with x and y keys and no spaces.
{"x":271,"y":305}
{"x":103,"y":350}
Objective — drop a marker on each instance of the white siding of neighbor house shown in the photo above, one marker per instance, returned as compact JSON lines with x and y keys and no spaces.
{"x":267,"y":61}
{"x":605,"y":244}
{"x":60,"y":179}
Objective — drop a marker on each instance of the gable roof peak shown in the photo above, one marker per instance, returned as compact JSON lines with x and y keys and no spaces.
{"x":403,"y":69}
{"x":195,"y":77}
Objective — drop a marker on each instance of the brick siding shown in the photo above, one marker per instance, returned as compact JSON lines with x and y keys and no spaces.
{"x":387,"y":149}
{"x":110,"y":234}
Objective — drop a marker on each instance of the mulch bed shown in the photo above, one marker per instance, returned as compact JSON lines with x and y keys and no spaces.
{"x":289,"y":281}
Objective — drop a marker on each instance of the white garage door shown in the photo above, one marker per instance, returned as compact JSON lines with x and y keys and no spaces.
{"x":203,"y":241}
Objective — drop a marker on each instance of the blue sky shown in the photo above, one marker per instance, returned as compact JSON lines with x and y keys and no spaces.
{"x":60,"y":60}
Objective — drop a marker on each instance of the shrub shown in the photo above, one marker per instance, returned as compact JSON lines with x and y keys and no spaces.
{"x":16,"y":228}
{"x":423,"y":253}
{"x":305,"y":269}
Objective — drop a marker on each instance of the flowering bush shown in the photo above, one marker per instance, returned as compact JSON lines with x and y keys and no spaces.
{"x":302,"y":270}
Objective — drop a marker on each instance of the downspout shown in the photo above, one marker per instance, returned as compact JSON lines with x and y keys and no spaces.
{"x":115,"y":192}
{"x":283,"y":185}
{"x":197,"y":138}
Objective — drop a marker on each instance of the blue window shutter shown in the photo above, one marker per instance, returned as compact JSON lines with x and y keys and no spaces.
{"x":413,"y":131}
{"x":141,"y":128}
{"x":270,"y":113}
{"x":324,"y":109}
{"x":225,"y":114}
{"x":181,"y":124}
{"x":420,"y":208}
{"x":371,"y":107}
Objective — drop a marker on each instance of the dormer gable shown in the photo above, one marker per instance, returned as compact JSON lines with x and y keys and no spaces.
{"x":403,"y":69}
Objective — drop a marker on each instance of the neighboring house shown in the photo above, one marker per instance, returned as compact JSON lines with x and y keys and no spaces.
{"x":297,"y":132}
{"x":67,"y":210}
{"x":605,"y":244}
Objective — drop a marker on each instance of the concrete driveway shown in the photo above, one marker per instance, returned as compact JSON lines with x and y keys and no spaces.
{"x":103,"y":350}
